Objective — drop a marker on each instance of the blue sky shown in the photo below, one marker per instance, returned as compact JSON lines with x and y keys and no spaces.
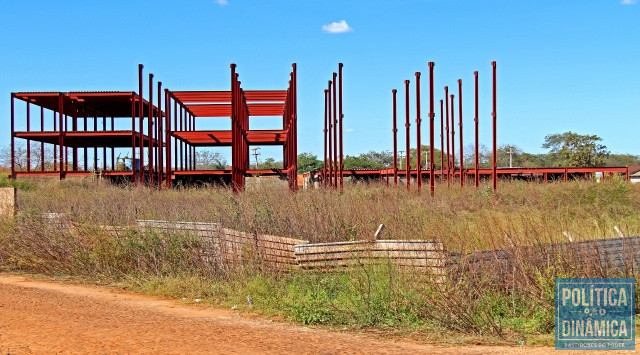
{"x":562,"y":65}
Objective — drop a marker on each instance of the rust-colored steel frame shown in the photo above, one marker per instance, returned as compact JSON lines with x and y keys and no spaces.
{"x":88,"y":108}
{"x":333,"y":171}
{"x":239,"y":106}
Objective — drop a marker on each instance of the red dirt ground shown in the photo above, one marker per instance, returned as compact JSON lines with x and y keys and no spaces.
{"x":51,"y":317}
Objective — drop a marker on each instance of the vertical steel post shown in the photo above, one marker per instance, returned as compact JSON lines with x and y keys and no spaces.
{"x":41,"y":143}
{"x":441,"y":141}
{"x":460,"y":128}
{"x":418,"y":137}
{"x":335,"y":131}
{"x":104,"y":149}
{"x":159,"y":137}
{"x":167,"y":133}
{"x":95,"y":148}
{"x":395,"y":138}
{"x":61,"y":134}
{"x":55,"y":146}
{"x":432,"y":115}
{"x":446,"y":129}
{"x":326,"y":137}
{"x":28,"y":140}
{"x":477,"y":144}
{"x":134,"y":176}
{"x":494,"y":163}
{"x":407,"y":133}
{"x":453,"y":139}
{"x":330,"y":135}
{"x":150,"y":130}
{"x":13,"y":138}
{"x":113,"y":153}
{"x":140,"y":126}
{"x":340,"y":116}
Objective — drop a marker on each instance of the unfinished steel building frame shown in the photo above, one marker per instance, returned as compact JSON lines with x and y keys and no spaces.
{"x":90,"y":126}
{"x":83,"y":125}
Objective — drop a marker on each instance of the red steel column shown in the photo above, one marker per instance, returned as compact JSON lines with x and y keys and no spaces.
{"x":441,"y":141}
{"x":446,"y":129}
{"x":453,"y":139}
{"x":41,"y":143}
{"x":28,"y":140}
{"x":55,"y":147}
{"x":335,"y":132}
{"x":134,"y":176}
{"x":326,"y":137}
{"x":330,"y":135}
{"x":432,"y":115}
{"x":61,"y":134}
{"x":408,"y":134}
{"x":340,"y":116}
{"x":13,"y":138}
{"x":460,"y":125}
{"x":159,"y":137}
{"x":140,"y":126}
{"x":395,"y":139}
{"x":475,"y":119}
{"x":494,"y":163}
{"x":418,"y":138}
{"x":167,"y":133}
{"x":150,"y":130}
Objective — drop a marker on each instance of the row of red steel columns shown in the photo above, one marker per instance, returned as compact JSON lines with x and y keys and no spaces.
{"x":333,"y":172}
{"x":448,"y":168}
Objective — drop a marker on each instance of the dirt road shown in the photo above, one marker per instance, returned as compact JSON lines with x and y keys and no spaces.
{"x":50,"y":317}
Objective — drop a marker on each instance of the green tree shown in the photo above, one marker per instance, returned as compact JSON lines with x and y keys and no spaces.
{"x":207,"y":160}
{"x":270,"y":163}
{"x":369,"y":160}
{"x":572,"y":149}
{"x":308,"y":162}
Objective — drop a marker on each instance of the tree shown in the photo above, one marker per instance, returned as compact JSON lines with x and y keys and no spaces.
{"x":370,"y":160}
{"x":308,"y":162}
{"x":206,"y":160}
{"x":572,"y":149}
{"x":270,"y":163}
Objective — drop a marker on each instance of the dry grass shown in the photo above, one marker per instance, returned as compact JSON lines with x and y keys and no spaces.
{"x":464,"y":219}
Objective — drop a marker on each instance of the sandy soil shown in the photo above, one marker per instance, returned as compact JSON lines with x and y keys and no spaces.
{"x":49,"y":317}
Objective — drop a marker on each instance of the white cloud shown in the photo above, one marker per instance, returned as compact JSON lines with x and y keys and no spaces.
{"x":222,"y":2}
{"x":338,"y":27}
{"x":628,"y":2}
{"x":349,"y":130}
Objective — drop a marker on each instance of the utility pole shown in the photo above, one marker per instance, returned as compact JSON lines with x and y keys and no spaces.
{"x":400,"y":156}
{"x":510,"y":157}
{"x":255,"y":155}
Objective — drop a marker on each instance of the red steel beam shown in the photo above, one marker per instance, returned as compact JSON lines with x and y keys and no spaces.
{"x":159,"y":137}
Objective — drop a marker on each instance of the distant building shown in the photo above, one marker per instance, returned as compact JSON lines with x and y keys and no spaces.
{"x":634,"y":174}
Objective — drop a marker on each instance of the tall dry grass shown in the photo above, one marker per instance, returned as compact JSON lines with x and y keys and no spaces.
{"x":467,"y":219}
{"x":464,"y":219}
